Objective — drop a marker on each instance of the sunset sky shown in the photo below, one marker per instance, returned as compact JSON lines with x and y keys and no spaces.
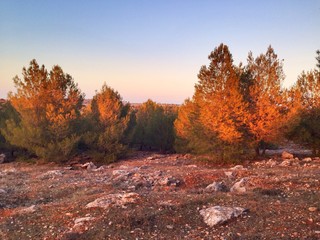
{"x":151,"y":48}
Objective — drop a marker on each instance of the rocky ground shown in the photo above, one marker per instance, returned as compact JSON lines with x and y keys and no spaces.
{"x":152,"y":196}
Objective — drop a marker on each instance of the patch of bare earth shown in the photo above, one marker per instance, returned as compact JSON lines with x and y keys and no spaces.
{"x":153,"y":196}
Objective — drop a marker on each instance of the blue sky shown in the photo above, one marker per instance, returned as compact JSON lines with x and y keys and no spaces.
{"x":151,"y":49}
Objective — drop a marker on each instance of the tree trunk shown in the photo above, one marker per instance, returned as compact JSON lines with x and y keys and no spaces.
{"x":257,"y":151}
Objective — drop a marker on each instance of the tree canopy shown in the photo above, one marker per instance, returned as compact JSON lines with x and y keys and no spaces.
{"x":49,"y":106}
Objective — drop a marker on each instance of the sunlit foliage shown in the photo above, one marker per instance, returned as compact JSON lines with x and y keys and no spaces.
{"x":233,"y":107}
{"x":109,"y":119}
{"x":266,"y":98}
{"x":214,"y":119}
{"x":49,"y":106}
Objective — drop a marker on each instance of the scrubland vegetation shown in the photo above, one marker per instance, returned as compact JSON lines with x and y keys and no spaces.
{"x":235,"y":111}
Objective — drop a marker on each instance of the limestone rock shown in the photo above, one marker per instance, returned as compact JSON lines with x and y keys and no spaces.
{"x":121,"y":173}
{"x":230,"y":174}
{"x":286,"y":163}
{"x":169,"y":181}
{"x":216,"y":187}
{"x":286,"y":155}
{"x":118,"y":199}
{"x":89,"y":166}
{"x":83,"y":219}
{"x":239,"y":186}
{"x":238,"y":167}
{"x":2,"y":191}
{"x":30,"y":209}
{"x":51,"y":174}
{"x":218,"y":214}
{"x":308,"y":159}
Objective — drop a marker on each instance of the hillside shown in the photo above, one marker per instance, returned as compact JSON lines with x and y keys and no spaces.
{"x":152,"y":196}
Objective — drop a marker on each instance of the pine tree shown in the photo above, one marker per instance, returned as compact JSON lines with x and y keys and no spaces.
{"x":154,"y":128}
{"x":305,"y":128}
{"x":266,"y":102}
{"x":110,"y":121}
{"x":215,"y":117}
{"x":49,"y":106}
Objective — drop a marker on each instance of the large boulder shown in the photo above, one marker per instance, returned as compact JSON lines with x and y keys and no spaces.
{"x":218,"y":214}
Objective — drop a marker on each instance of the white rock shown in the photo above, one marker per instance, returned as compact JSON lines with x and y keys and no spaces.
{"x":271,"y":163}
{"x":286,"y":163}
{"x":216,"y":187}
{"x":192,"y":166}
{"x":239,"y":186}
{"x":51,"y":174}
{"x":120,"y":172}
{"x":229,"y":174}
{"x":168,"y":181}
{"x":89,"y":166}
{"x":99,"y":169}
{"x":308,"y":159}
{"x":83,"y":219}
{"x":218,"y":214}
{"x":2,"y":191}
{"x":118,"y":199}
{"x":30,"y":209}
{"x":238,"y":167}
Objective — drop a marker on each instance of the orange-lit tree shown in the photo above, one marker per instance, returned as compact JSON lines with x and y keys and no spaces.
{"x":49,"y":108}
{"x":266,"y":99}
{"x":110,"y":121}
{"x":217,"y":111}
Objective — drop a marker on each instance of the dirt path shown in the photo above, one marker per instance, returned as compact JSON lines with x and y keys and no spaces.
{"x":155,"y":196}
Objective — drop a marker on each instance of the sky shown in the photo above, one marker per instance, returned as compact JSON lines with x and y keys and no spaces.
{"x":151,"y":49}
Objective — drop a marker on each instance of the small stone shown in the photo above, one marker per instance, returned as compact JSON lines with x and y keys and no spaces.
{"x":82,"y":220}
{"x":192,"y":166}
{"x":169,"y":181}
{"x":239,"y":186}
{"x":308,"y":159}
{"x":229,"y":174}
{"x":30,"y":209}
{"x":312,"y":209}
{"x":51,"y":174}
{"x":169,"y":227}
{"x":238,"y":167}
{"x":216,"y":187}
{"x":271,"y":163}
{"x":286,"y":163}
{"x":2,"y":191}
{"x":89,"y":166}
